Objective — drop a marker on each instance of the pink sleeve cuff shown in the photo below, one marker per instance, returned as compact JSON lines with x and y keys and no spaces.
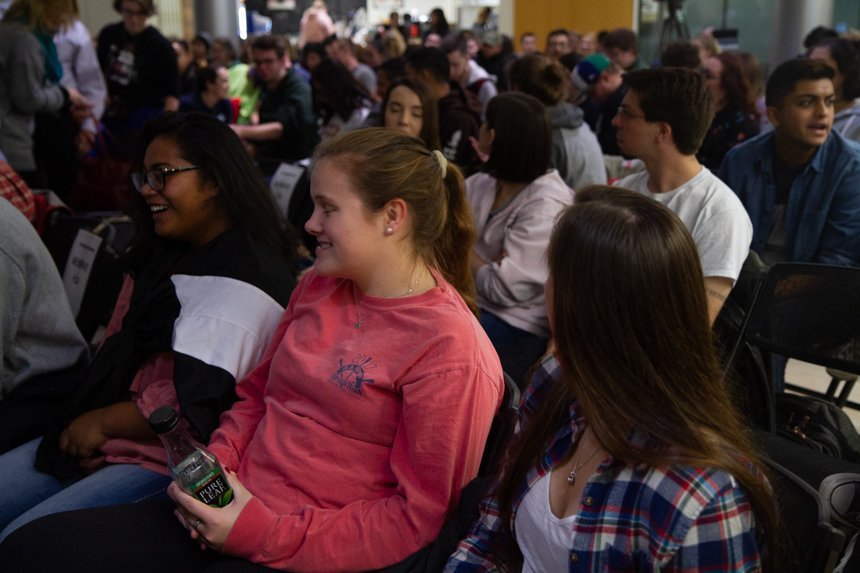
{"x":248,"y":535}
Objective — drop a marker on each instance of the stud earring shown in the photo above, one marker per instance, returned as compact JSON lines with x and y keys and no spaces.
{"x":389,"y":230}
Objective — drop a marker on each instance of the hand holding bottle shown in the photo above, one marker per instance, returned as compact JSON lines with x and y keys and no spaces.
{"x":209,"y":525}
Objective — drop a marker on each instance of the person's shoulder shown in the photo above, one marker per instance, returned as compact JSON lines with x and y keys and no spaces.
{"x":550,"y":185}
{"x":293,"y":84}
{"x":684,"y":489}
{"x":842,"y":149}
{"x":13,"y":33}
{"x":749,"y":149}
{"x":713,"y":193}
{"x":152,"y":35}
{"x":634,"y":182}
{"x":245,"y":259}
{"x":20,"y":240}
{"x":480,"y":180}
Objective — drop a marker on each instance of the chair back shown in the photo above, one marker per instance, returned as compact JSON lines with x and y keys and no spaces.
{"x":813,"y":544}
{"x":810,"y":312}
{"x":747,"y":367}
{"x":501,"y":429}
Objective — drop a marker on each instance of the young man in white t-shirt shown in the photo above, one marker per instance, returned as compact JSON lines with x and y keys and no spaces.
{"x":662,"y":121}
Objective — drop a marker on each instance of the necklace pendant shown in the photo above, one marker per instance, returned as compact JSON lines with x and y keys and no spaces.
{"x":571,"y":478}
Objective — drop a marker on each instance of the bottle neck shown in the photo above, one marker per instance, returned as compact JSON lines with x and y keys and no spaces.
{"x":178,"y":444}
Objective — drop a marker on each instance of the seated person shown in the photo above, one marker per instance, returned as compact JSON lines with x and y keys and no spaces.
{"x":662,"y":121}
{"x":736,"y":118}
{"x":370,"y":409}
{"x":287,"y":128}
{"x":210,"y":95}
{"x":622,"y":47}
{"x":800,"y":183}
{"x":629,"y":454}
{"x":601,"y":88}
{"x":208,"y":234}
{"x":843,"y":55}
{"x":457,"y":123}
{"x":40,"y":344}
{"x":410,"y":107}
{"x":340,"y":101}
{"x":576,"y":154}
{"x":515,"y":202}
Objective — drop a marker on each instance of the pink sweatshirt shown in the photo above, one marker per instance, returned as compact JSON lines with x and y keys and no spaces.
{"x":357,"y":441}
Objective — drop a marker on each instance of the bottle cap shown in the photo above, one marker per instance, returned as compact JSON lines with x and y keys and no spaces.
{"x":163,"y":419}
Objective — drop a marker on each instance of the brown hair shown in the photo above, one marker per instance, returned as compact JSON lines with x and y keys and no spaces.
{"x":383,"y":165}
{"x":539,"y":76}
{"x":678,"y":97}
{"x":622,"y":38}
{"x":146,"y":6}
{"x":271,"y":42}
{"x":735,"y":83}
{"x":429,"y":108}
{"x":612,"y":344}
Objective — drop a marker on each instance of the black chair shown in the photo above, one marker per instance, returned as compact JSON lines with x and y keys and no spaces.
{"x":810,"y":312}
{"x":501,"y":430}
{"x":747,"y":367}
{"x":813,"y":544}
{"x":108,"y":270}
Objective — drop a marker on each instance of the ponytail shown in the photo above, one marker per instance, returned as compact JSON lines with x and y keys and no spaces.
{"x":459,"y":232}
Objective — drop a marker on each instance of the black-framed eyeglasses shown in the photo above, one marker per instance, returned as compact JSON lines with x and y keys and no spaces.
{"x":156,"y":178}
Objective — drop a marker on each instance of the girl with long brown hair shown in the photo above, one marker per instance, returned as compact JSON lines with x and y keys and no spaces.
{"x":736,"y":119}
{"x":630,"y":454}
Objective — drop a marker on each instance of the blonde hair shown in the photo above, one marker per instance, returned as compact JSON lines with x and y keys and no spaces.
{"x":384,"y":165}
{"x":36,"y":13}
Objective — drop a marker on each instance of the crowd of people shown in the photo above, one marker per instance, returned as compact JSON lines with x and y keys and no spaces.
{"x":462,"y":237}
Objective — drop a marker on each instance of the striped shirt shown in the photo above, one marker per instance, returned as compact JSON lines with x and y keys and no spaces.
{"x":674,"y":519}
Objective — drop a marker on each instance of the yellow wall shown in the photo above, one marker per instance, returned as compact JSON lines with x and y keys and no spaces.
{"x":541,"y":16}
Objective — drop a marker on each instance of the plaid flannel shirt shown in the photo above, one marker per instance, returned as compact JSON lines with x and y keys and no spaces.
{"x":13,"y":189}
{"x":678,"y":519}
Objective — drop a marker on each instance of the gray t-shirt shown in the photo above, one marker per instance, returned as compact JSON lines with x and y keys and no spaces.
{"x":714,"y":216}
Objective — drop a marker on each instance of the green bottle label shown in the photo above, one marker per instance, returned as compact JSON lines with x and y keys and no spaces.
{"x":213,"y":489}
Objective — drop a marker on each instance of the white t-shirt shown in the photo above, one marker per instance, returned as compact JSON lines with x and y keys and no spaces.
{"x":714,"y":216}
{"x":544,"y":539}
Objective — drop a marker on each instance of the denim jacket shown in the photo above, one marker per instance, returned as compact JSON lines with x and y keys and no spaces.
{"x":822,"y":218}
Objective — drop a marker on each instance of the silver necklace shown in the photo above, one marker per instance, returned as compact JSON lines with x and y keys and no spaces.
{"x":571,"y":477}
{"x":360,"y":320}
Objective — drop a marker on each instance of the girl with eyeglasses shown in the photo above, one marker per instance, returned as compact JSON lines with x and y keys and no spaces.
{"x":211,"y":269}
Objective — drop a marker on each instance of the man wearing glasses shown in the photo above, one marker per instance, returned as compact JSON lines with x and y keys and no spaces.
{"x":287,"y":130}
{"x":662,"y":121}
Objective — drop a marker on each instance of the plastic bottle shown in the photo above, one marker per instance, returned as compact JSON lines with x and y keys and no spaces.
{"x":192,"y":465}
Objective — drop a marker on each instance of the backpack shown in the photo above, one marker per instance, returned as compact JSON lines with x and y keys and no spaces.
{"x":818,"y":424}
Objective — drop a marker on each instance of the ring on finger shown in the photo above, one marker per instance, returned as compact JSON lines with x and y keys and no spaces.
{"x":195,"y":524}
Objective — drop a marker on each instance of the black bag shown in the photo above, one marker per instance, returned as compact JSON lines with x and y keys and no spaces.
{"x":818,"y":424}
